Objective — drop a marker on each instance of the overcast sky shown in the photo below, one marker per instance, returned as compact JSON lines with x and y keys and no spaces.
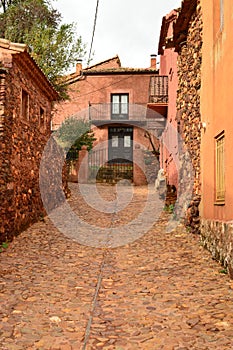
{"x":129,"y":28}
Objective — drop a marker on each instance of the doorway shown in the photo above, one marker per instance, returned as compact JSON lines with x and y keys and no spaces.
{"x":120,"y":141}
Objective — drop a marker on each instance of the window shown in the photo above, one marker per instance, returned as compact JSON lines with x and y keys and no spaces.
{"x":42,"y":117}
{"x":120,"y":106}
{"x":25,"y":105}
{"x":220,"y":168}
{"x":127,"y":141}
{"x":115,"y":141}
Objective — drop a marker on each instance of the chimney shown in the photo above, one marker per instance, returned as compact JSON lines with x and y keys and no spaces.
{"x":153,"y":61}
{"x":79,"y":67}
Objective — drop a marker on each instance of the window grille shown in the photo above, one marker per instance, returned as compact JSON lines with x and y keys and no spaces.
{"x":158,"y":89}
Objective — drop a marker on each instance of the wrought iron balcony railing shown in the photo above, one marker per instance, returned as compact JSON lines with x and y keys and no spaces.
{"x":130,"y":112}
{"x":117,"y":112}
{"x":158,"y":89}
{"x":138,"y":114}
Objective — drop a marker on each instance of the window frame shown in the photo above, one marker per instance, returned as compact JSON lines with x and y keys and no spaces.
{"x":220,"y":189}
{"x":121,"y":105}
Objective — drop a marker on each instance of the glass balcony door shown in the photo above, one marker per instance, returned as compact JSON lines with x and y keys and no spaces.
{"x":120,"y":106}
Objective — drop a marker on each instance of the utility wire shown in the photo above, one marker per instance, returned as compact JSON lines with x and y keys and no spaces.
{"x":93,"y":33}
{"x":103,"y":87}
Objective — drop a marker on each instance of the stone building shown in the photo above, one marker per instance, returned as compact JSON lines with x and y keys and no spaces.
{"x":202,"y":37}
{"x":187,"y":40}
{"x":127,"y":107}
{"x":26,"y":98}
{"x":217,"y":130}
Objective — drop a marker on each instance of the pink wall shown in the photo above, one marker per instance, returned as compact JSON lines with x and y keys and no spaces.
{"x":94,"y":88}
{"x":98,"y":89}
{"x":169,"y":141}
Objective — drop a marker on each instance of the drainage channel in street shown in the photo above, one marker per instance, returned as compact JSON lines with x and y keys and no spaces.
{"x":99,"y":281}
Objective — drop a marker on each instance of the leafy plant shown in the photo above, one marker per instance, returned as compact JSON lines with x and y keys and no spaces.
{"x":169,"y":208}
{"x":73,"y":134}
{"x":54,"y":46}
{"x":3,"y":246}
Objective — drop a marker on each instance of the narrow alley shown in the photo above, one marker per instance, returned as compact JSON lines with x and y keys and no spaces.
{"x":160,"y":291}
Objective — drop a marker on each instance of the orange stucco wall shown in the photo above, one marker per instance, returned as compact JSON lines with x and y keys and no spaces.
{"x":216,"y":105}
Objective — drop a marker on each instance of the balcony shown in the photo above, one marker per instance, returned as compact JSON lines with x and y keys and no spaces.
{"x":130,"y":114}
{"x":158,"y":94}
{"x":158,"y":89}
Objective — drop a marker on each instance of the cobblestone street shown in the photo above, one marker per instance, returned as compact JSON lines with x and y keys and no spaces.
{"x":160,"y":291}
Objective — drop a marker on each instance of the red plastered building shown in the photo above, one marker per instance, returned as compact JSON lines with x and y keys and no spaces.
{"x":122,"y":104}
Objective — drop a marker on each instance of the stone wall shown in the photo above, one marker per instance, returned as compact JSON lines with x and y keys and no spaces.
{"x":217,"y":237}
{"x":22,"y":143}
{"x":6,"y":188}
{"x":188,"y":112}
{"x":151,"y":166}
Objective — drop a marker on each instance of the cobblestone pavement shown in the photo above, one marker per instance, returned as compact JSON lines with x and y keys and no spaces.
{"x":162,"y":291}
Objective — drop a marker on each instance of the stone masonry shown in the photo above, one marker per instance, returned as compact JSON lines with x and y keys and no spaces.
{"x":161,"y":292}
{"x":22,"y":140}
{"x":188,"y":107}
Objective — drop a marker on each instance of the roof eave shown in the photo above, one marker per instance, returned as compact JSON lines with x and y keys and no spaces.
{"x":121,"y":72}
{"x":180,"y":28}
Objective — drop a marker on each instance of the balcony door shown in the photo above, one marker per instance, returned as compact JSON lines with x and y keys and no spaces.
{"x":120,"y":106}
{"x":120,"y":148}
